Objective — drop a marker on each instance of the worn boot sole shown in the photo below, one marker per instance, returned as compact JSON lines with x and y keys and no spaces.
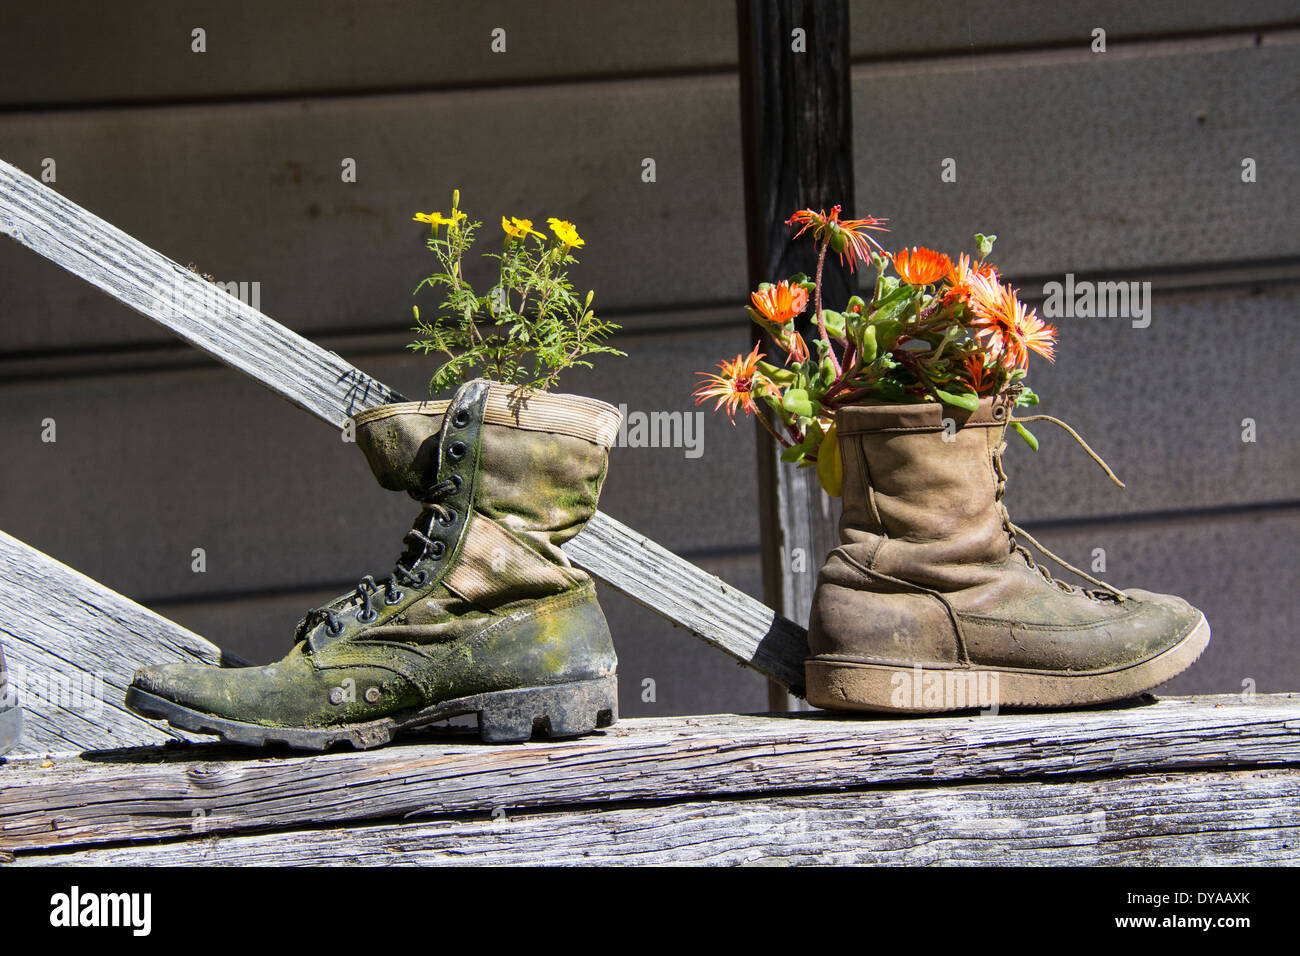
{"x":11,"y":729}
{"x":850,"y":685}
{"x":504,"y":716}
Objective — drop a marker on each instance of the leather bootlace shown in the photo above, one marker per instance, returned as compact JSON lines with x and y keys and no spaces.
{"x":419,"y":545}
{"x":1104,"y":591}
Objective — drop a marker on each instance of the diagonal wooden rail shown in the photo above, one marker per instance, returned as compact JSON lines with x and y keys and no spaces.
{"x":71,"y":646}
{"x":321,"y":382}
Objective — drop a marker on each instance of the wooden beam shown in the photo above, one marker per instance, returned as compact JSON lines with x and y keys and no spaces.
{"x":797,"y":130}
{"x":71,"y":646}
{"x":330,"y":388}
{"x":1234,"y":818}
{"x":155,"y":794}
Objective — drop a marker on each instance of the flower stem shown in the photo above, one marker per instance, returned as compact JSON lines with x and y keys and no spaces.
{"x":770,"y":430}
{"x":821,"y":321}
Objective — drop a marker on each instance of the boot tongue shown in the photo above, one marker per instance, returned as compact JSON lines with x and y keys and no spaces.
{"x":400,"y":443}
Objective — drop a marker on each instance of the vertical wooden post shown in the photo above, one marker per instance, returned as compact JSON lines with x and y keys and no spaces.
{"x":797,"y":130}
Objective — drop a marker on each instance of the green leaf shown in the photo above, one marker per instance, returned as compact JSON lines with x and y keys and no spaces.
{"x":796,"y":402}
{"x":830,"y":467}
{"x":967,"y":400}
{"x":1025,"y":433}
{"x":887,"y":333}
{"x":834,"y":323}
{"x":782,"y":376}
{"x":867,"y":345}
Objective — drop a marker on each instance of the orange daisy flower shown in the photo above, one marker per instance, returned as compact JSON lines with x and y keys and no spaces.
{"x":960,"y":275}
{"x":1008,"y":329}
{"x":979,"y":375}
{"x":921,"y":266}
{"x":736,"y":384}
{"x":781,"y":302}
{"x":856,"y":238}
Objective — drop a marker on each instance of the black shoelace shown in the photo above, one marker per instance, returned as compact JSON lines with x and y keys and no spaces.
{"x":404,"y":569}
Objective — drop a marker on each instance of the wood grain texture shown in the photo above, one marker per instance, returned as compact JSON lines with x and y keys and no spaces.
{"x":324,"y":384}
{"x":1235,"y":818}
{"x":72,"y":645}
{"x":145,"y":795}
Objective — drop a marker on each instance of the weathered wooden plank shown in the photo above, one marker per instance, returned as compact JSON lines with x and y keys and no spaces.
{"x":1245,"y":817}
{"x":325,"y":385}
{"x":1099,"y":186}
{"x":71,"y":646}
{"x":328,"y":46}
{"x":893,"y":28}
{"x":145,"y":795}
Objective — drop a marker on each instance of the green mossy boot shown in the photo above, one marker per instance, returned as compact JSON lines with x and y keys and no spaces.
{"x":11,"y":717}
{"x":483,"y":613}
{"x":929,"y":604}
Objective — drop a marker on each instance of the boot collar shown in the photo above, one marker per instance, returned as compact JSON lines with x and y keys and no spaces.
{"x":920,"y":417}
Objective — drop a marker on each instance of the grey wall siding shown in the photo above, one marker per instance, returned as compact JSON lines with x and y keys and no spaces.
{"x":1117,"y":166}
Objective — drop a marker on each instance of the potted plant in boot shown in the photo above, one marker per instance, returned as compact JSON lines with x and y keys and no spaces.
{"x":482,"y":613}
{"x":902,"y":402}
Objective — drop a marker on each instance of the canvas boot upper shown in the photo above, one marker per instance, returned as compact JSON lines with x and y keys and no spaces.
{"x":482,"y":599}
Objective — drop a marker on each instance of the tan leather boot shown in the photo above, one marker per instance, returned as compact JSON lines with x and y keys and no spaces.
{"x":929,"y":604}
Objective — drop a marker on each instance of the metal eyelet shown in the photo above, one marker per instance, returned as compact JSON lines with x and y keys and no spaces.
{"x":457,"y":481}
{"x":422,"y":578}
{"x":449,"y":520}
{"x":436,"y":551}
{"x":999,"y":412}
{"x":397,"y":599}
{"x":334,"y":631}
{"x":457,"y":450}
{"x":461,"y":418}
{"x":363,"y":618}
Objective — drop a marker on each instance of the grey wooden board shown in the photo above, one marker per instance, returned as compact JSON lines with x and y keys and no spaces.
{"x":324,"y":47}
{"x":71,"y":646}
{"x":894,"y":28}
{"x":1077,"y":165}
{"x":1098,"y":163}
{"x":149,"y":795}
{"x":325,"y":385}
{"x":1234,"y":818}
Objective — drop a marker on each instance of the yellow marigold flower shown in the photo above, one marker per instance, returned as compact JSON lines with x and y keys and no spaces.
{"x":518,"y":228}
{"x":437,"y":219}
{"x":565,"y":232}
